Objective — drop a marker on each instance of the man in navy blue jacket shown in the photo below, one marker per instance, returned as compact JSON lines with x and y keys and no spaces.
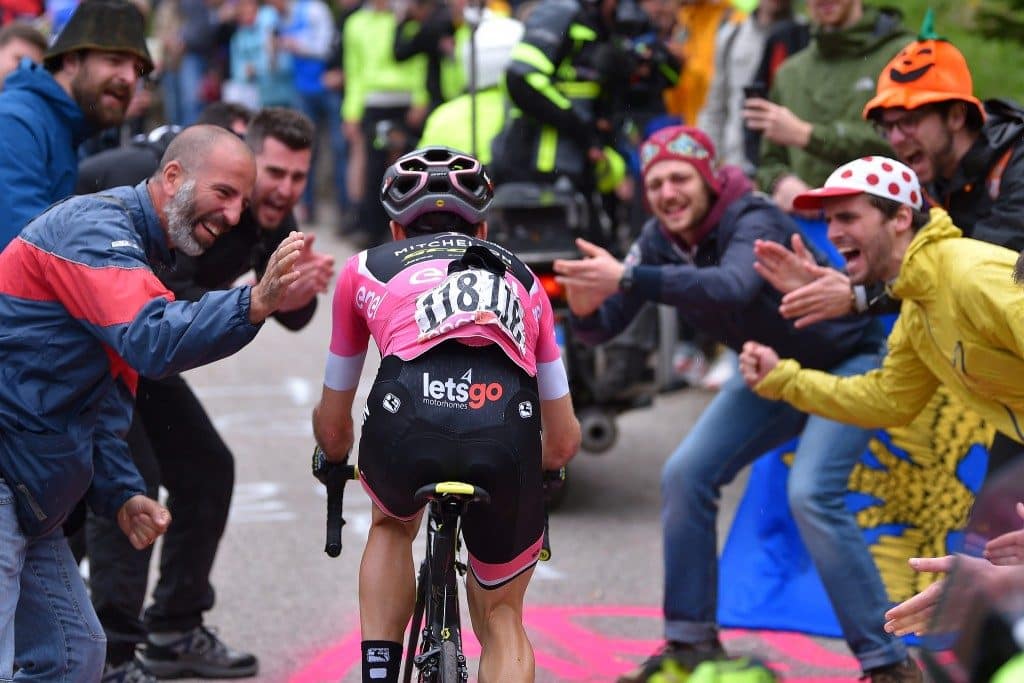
{"x":88,"y":78}
{"x":82,"y":314}
{"x":697,"y":254}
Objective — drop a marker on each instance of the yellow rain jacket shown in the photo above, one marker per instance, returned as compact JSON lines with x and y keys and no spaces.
{"x":961,"y":324}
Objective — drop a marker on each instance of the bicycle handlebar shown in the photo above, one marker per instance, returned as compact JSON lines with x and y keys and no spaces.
{"x":333,"y":475}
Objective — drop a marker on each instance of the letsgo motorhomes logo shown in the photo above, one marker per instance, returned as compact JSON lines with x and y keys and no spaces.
{"x":462,"y":394}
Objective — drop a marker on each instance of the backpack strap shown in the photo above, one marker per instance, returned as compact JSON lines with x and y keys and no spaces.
{"x":995,"y":174}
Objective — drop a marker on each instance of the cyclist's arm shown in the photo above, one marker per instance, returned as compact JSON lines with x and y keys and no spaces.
{"x":332,"y":417}
{"x":332,"y":423}
{"x":561,"y":432}
{"x":560,"y":435}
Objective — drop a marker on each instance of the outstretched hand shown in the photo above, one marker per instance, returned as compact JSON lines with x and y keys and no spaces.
{"x":915,"y":614}
{"x":143,"y":520}
{"x":315,"y":270}
{"x":1007,"y":549}
{"x":973,"y":586}
{"x":756,"y":361}
{"x":268,"y":294}
{"x":591,"y":280}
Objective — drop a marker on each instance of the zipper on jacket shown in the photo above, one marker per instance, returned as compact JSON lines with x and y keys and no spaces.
{"x":38,"y":511}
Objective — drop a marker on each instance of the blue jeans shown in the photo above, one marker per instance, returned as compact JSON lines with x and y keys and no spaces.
{"x":735,"y":429}
{"x":47,"y":625}
{"x":325,"y":111}
{"x":182,"y":90}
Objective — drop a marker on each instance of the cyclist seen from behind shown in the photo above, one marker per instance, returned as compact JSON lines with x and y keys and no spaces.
{"x":470,"y":371}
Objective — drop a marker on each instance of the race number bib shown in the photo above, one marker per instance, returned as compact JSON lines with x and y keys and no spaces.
{"x":471,"y":296}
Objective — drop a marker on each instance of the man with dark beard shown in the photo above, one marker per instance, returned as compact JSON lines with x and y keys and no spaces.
{"x":85,"y":84}
{"x":82,"y":315}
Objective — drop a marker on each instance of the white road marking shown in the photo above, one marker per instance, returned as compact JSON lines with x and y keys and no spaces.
{"x":259,"y":502}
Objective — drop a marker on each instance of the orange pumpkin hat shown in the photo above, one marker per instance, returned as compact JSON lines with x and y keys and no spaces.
{"x":928,"y":70}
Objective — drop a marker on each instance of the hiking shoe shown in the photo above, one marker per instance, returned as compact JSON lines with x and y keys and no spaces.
{"x":198,"y":653}
{"x":673,"y":657}
{"x":131,"y":671}
{"x":906,"y":671}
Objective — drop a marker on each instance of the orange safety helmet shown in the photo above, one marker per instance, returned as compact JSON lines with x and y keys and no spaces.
{"x":928,"y":70}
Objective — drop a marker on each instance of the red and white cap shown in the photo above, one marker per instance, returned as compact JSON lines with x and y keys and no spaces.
{"x":880,"y":176}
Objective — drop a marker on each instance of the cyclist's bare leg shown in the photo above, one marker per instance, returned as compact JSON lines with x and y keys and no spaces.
{"x":497,"y":615}
{"x":387,"y":579}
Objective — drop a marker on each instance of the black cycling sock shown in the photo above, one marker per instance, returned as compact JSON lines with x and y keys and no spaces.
{"x":382,"y":661}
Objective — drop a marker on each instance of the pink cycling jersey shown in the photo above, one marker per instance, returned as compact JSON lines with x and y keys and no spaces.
{"x":403,"y":296}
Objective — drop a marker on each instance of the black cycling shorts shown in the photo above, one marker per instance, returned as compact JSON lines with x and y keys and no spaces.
{"x":460,"y":413}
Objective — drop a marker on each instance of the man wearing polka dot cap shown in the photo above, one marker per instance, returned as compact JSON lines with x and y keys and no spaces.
{"x":961,"y":321}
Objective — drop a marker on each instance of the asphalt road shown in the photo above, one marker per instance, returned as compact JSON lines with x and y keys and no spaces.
{"x":593,"y":609}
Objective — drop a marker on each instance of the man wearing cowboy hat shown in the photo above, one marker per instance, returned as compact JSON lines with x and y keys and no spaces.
{"x":84,"y":85}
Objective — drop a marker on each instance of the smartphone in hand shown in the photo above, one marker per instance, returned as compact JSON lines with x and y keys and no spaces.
{"x":756,"y":89}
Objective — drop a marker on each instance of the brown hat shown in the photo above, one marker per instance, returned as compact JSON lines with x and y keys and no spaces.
{"x":111,"y":25}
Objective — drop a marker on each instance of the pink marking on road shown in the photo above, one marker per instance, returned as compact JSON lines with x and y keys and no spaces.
{"x":572,"y":651}
{"x":333,"y":663}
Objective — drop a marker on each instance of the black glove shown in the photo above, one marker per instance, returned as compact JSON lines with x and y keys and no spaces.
{"x":322,"y":467}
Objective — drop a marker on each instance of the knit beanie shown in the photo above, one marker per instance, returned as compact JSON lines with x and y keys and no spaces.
{"x":684,"y":143}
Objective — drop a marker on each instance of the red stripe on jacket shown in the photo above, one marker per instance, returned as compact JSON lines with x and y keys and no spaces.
{"x":119,"y":369}
{"x":104,"y":296}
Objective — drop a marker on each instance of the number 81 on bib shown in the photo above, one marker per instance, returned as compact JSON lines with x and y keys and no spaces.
{"x":467,"y":297}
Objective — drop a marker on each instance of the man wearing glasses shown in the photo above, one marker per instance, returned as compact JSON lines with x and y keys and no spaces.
{"x":968,"y":156}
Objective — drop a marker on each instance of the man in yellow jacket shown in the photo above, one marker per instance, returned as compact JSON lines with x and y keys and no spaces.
{"x":961,"y":321}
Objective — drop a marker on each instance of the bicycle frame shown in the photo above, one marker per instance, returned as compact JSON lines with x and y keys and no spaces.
{"x":440,"y":656}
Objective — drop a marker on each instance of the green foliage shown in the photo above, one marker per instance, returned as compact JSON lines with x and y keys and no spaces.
{"x":990,"y":33}
{"x":1002,"y":20}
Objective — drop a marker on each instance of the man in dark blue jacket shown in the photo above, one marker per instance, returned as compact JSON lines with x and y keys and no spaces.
{"x":88,"y":78}
{"x":82,"y":314}
{"x":697,"y":254}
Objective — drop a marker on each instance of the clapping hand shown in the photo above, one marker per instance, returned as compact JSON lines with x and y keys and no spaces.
{"x":316,"y":270}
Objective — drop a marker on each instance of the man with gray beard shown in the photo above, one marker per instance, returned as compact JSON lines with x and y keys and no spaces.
{"x":172,"y":440}
{"x":82,"y":315}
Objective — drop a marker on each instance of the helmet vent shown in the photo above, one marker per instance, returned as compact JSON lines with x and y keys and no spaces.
{"x":404,"y":185}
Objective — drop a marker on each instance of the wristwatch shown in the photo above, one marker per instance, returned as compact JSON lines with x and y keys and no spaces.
{"x":626,"y":281}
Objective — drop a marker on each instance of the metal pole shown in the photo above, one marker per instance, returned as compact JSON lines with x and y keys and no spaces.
{"x":474,"y":23}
